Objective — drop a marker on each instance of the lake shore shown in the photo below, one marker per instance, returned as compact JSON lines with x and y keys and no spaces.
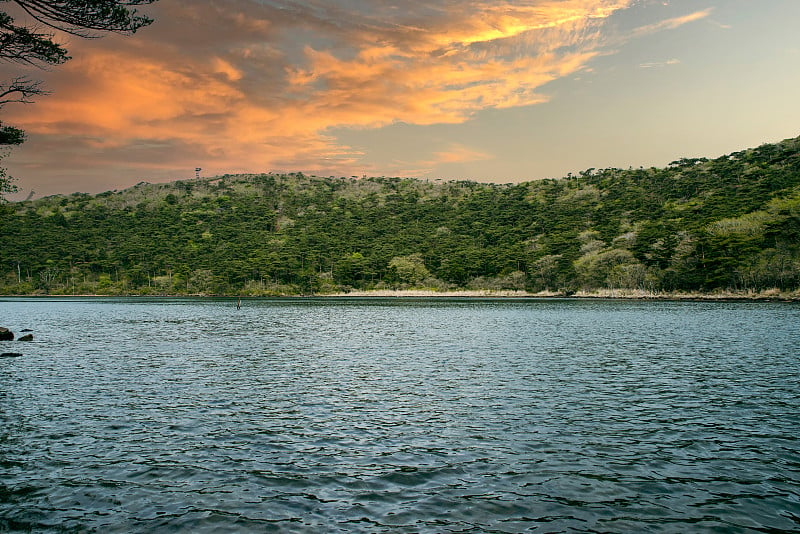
{"x":627,"y":294}
{"x":621,"y":294}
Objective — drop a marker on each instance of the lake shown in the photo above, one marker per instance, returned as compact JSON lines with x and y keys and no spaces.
{"x":400,"y":415}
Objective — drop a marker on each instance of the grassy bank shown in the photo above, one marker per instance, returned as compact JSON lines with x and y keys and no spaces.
{"x":622,"y":294}
{"x":630,"y":294}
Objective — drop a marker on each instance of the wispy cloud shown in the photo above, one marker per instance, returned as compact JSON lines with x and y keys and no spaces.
{"x":457,"y":153}
{"x":450,"y":154}
{"x":657,"y":64}
{"x":672,"y":23}
{"x":258,"y":85}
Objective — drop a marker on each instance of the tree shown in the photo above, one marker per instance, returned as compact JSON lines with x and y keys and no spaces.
{"x":6,"y":182}
{"x":546,"y":272}
{"x":29,"y":45}
{"x":410,"y":269}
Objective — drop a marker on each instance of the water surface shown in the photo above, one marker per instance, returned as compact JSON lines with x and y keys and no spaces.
{"x":400,"y":415}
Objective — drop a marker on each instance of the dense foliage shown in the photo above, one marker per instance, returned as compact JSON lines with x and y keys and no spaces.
{"x":731,"y":223}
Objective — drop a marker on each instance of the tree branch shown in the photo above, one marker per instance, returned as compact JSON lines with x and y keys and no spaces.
{"x":20,"y":90}
{"x":82,"y":17}
{"x":23,"y":45}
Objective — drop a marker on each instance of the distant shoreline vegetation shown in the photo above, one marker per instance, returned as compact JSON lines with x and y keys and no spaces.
{"x":413,"y":294}
{"x":699,"y":228}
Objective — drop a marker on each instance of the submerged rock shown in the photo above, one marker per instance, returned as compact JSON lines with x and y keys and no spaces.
{"x":6,"y":334}
{"x":10,"y":355}
{"x":26,"y":337}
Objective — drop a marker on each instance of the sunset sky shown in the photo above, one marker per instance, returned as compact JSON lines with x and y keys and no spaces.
{"x":502,"y":91}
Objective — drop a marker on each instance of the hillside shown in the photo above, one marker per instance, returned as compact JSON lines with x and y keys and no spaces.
{"x":730,"y":223}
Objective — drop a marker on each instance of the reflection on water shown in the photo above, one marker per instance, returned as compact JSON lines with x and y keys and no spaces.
{"x":400,"y":416}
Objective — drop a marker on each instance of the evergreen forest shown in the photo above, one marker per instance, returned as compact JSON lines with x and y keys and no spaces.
{"x":730,"y":224}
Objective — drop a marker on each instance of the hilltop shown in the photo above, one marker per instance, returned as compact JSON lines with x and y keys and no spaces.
{"x":698,"y":225}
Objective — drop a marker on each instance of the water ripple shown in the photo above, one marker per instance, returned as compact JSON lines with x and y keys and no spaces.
{"x":400,"y":416}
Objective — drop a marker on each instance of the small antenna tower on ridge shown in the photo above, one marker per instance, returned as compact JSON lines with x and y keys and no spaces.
{"x":197,"y":172}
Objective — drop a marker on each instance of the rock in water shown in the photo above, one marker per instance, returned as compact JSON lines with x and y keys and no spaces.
{"x":26,"y":337}
{"x":10,"y":355}
{"x":6,"y":334}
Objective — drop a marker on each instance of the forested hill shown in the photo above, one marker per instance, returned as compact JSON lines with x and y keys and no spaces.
{"x":731,"y":223}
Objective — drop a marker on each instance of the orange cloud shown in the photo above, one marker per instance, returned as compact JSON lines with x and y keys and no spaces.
{"x":482,"y":55}
{"x":452,"y":153}
{"x":457,"y":153}
{"x":260,"y":85}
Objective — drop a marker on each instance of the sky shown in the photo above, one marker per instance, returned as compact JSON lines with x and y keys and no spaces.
{"x":487,"y":90}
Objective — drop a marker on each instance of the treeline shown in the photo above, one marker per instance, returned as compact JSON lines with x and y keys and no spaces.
{"x":700,"y":225}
